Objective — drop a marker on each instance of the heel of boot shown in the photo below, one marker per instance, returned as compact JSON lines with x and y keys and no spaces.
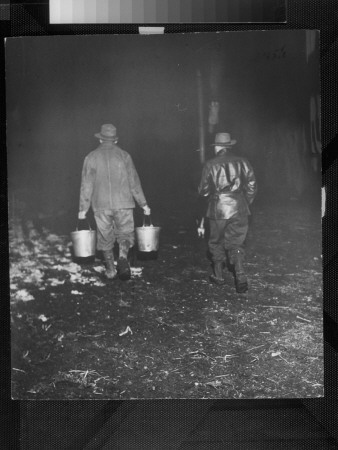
{"x":241,"y":283}
{"x":111,"y":272}
{"x":123,"y":269}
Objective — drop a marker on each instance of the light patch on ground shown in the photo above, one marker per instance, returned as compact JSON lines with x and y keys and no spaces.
{"x":31,"y":260}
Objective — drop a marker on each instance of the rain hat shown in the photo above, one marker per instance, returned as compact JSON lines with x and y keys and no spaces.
{"x":107,"y":133}
{"x":224,"y":139}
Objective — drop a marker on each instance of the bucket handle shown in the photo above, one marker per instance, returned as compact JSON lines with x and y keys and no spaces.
{"x":77,"y":225}
{"x":144,"y":221}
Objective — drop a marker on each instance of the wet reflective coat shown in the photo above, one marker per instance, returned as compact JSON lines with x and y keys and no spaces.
{"x":229,"y":183}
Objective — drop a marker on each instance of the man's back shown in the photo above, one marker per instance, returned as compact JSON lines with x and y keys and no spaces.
{"x":229,"y":183}
{"x":111,"y":188}
{"x":228,"y":174}
{"x":110,"y":179}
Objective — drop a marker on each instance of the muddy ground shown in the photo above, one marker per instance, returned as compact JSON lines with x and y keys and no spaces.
{"x":186,"y":338}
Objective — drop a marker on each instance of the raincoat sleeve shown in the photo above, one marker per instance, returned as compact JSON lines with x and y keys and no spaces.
{"x":250,"y":187}
{"x":87,"y":184}
{"x":204,"y":186}
{"x":135,"y":184}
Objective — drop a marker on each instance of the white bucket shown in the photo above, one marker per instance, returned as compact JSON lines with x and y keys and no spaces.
{"x":148,"y":238}
{"x":84,"y":243}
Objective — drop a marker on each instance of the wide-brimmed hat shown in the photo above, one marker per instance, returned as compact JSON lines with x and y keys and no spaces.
{"x":224,"y":139}
{"x":107,"y":133}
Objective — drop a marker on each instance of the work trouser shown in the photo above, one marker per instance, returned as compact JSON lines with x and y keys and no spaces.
{"x":114,"y":225}
{"x":227,"y":235}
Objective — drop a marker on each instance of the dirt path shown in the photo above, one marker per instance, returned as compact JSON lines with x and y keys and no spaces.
{"x":186,"y":337}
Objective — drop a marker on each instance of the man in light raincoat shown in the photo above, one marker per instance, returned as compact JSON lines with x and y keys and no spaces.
{"x":229,"y":183}
{"x":111,"y":185}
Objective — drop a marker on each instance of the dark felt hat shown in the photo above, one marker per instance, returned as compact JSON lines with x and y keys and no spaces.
{"x":107,"y":133}
{"x":224,"y":139}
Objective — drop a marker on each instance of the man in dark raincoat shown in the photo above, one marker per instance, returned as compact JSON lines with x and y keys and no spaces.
{"x":111,"y":185}
{"x":229,"y":183}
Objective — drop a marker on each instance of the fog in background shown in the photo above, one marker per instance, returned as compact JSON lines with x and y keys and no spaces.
{"x":60,"y":90}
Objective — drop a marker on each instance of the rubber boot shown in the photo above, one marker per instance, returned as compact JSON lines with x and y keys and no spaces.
{"x":123,"y":267}
{"x":217,"y":277}
{"x":240,"y":276}
{"x":111,"y":272}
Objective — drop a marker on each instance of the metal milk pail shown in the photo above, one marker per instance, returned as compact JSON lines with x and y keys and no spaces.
{"x":148,"y":237}
{"x":84,"y":243}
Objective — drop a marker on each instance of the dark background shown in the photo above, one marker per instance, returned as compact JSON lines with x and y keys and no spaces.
{"x":322,"y":15}
{"x":61,"y":89}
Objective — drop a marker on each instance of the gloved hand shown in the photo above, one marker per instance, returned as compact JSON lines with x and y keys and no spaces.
{"x":200,"y":228}
{"x":82,"y":215}
{"x":201,"y":232}
{"x":146,"y":210}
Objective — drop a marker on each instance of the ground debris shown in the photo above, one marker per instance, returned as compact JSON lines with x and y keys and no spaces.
{"x":99,"y":283}
{"x":123,"y":303}
{"x":89,"y":335}
{"x":302,"y":318}
{"x":85,"y":378}
{"x":236,"y":348}
{"x":22,"y":295}
{"x":33,"y":263}
{"x":161,"y":322}
{"x":43,"y":318}
{"x":71,"y":267}
{"x":215,"y":384}
{"x":127,"y":330}
{"x":55,"y":281}
{"x":19,"y":370}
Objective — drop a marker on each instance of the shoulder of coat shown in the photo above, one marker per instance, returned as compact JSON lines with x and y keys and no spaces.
{"x":213,"y":161}
{"x":92,"y":154}
{"x":234,"y":157}
{"x":116,"y":148}
{"x":124,"y":154}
